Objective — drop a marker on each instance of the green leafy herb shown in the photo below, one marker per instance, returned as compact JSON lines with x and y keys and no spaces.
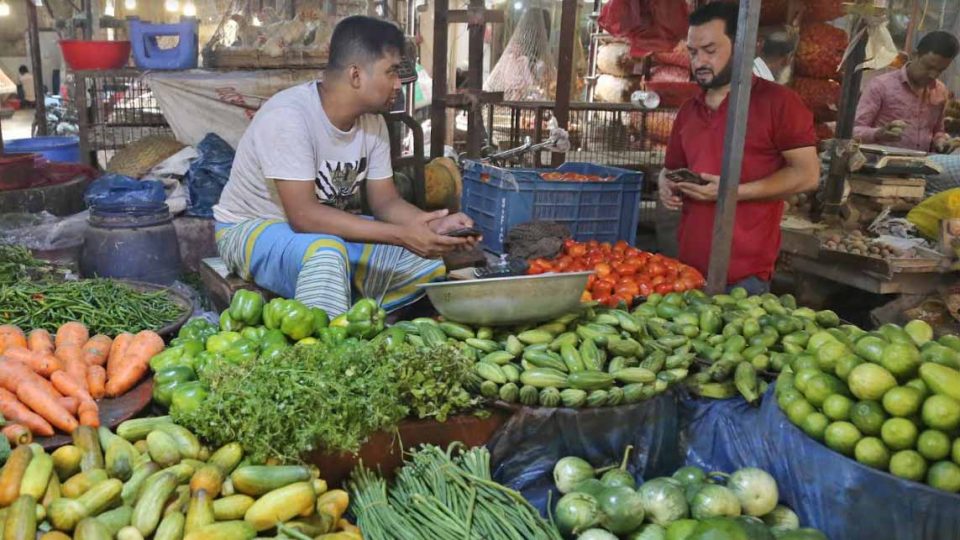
{"x":431,"y":379}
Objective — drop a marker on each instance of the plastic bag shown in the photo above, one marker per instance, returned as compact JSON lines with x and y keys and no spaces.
{"x":119,"y":189}
{"x":650,"y":25}
{"x":842,"y":498}
{"x":524,"y":451}
{"x":928,"y":214}
{"x":208,"y":174}
{"x":43,"y":231}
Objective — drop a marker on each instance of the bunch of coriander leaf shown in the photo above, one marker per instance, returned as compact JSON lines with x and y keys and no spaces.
{"x":328,"y":398}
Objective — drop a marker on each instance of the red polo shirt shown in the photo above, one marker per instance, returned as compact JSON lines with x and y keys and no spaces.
{"x":778,"y":121}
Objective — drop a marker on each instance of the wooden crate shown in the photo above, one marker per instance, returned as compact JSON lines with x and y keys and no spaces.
{"x":887,"y":187}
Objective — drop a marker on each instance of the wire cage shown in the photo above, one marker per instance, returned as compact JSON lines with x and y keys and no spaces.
{"x":614,"y":134}
{"x":115,"y":108}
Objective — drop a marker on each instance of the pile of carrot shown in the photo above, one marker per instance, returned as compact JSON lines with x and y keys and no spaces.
{"x":50,"y":382}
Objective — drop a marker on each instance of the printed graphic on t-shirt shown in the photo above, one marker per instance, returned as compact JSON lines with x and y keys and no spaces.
{"x":338,"y":183}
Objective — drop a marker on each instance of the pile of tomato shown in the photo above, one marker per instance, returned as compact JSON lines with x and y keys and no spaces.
{"x":559,"y":176}
{"x":622,"y":273}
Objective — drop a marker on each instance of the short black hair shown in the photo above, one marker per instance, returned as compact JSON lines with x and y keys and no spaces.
{"x":940,"y":43}
{"x":728,"y":12}
{"x":23,"y":69}
{"x":362,"y":40}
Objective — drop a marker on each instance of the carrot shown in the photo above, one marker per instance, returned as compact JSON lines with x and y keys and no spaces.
{"x":97,"y":349}
{"x":17,"y":434}
{"x":89,"y":413}
{"x":14,"y":411}
{"x":20,"y":354}
{"x":40,"y":341}
{"x":68,"y":386}
{"x":45,"y":364}
{"x":136,"y":363}
{"x":96,"y":381}
{"x":73,"y":364}
{"x":12,"y":373}
{"x":46,"y":405}
{"x":72,"y":333}
{"x":70,"y":403}
{"x":117,"y":350}
{"x":11,"y":336}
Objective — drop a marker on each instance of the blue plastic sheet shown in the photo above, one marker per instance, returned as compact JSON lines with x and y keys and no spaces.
{"x":842,"y":498}
{"x":116,"y":189}
{"x":524,"y":451}
{"x":208,"y":174}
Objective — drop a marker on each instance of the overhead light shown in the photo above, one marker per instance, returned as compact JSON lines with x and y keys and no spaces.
{"x":4,"y":8}
{"x":38,"y":3}
{"x":189,"y":9}
{"x":130,"y":4}
{"x":108,"y":8}
{"x":518,"y":6}
{"x":172,"y":5}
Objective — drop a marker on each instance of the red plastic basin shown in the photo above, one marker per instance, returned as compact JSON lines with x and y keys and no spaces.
{"x":88,"y":55}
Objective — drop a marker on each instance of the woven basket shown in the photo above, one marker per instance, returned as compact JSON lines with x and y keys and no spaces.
{"x":137,"y":158}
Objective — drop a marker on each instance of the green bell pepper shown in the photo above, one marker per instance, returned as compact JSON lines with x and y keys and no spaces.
{"x":294,"y":319}
{"x":169,"y":379}
{"x":254,"y":333}
{"x":169,"y":357}
{"x":320,"y":320}
{"x":332,"y":335}
{"x":221,"y":341}
{"x":272,"y":313}
{"x":246,"y":307}
{"x":228,"y":323}
{"x":241,"y":351}
{"x":390,"y":338}
{"x":197,"y":328}
{"x":365,"y":319}
{"x":206,"y":362}
{"x":188,"y":397}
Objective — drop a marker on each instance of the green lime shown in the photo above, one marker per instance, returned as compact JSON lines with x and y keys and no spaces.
{"x":873,"y":453}
{"x":919,"y":331}
{"x":803,"y":377}
{"x":901,"y":359}
{"x":814,"y":425}
{"x":919,"y":385}
{"x":899,"y":433}
{"x":818,"y":390}
{"x":902,"y":401}
{"x":845,"y":365}
{"x":681,"y":529}
{"x":868,"y":416}
{"x":829,"y":354}
{"x":941,"y":412}
{"x":944,"y":475}
{"x":785,"y":398}
{"x":798,"y":410}
{"x":837,"y":407}
{"x":955,"y":451}
{"x":933,"y":445}
{"x":842,"y":437}
{"x":908,"y":464}
{"x":870,"y":381}
{"x":804,"y":361}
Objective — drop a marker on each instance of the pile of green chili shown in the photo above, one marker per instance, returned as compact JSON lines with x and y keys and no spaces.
{"x":104,"y":305}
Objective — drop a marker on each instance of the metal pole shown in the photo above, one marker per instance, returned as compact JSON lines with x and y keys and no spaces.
{"x":438,"y":111}
{"x":88,"y":22}
{"x":733,"y":140}
{"x":568,"y":27}
{"x":33,"y":30}
{"x":849,"y":96}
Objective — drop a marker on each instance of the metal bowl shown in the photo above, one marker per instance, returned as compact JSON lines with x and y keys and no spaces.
{"x":508,"y":300}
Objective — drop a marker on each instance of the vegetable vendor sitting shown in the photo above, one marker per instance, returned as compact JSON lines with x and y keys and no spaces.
{"x":282,"y":219}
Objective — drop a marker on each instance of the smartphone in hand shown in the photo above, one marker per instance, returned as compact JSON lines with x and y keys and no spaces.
{"x":685,"y":175}
{"x":464,"y":233}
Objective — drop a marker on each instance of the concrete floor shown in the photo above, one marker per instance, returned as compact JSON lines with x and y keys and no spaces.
{"x":19,"y":126}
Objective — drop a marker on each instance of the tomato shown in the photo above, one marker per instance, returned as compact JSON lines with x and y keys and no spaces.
{"x":586,"y":296}
{"x":664,"y":288}
{"x":657,"y":280}
{"x":603,"y":269}
{"x":621,"y":246}
{"x":656,"y":268}
{"x":627,"y":287}
{"x":569,"y":242}
{"x":577,"y":250}
{"x":591,"y":279}
{"x":645,"y":288}
{"x":601,"y":288}
{"x":602,"y":298}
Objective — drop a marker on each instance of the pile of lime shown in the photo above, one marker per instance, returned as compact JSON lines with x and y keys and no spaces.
{"x":889,"y":399}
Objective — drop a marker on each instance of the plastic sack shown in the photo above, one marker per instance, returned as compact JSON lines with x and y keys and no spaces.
{"x":928,"y":214}
{"x":650,"y":25}
{"x":118,"y":189}
{"x":208,"y":174}
{"x":842,"y":498}
{"x":524,"y":451}
{"x":43,"y":231}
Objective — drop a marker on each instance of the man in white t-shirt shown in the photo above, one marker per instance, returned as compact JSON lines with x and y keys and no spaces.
{"x":776,"y":51}
{"x":281,"y":219}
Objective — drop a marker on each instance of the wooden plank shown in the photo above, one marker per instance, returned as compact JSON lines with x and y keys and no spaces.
{"x":865,"y":281}
{"x":799,"y":243}
{"x":870,"y":189}
{"x":890,"y":180}
{"x":438,"y":109}
{"x":568,"y":26}
{"x":474,"y":16}
{"x":733,"y":145}
{"x":475,"y":76}
{"x":33,"y":30}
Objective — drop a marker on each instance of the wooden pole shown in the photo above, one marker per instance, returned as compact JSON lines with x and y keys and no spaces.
{"x":733,"y":141}
{"x":33,"y":29}
{"x":438,"y":107}
{"x":561,"y":111}
{"x":475,"y":29}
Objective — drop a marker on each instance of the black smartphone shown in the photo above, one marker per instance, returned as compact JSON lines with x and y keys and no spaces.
{"x":685,"y":175}
{"x":464,"y":233}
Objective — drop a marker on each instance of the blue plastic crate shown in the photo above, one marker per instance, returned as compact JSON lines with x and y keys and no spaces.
{"x":147,"y":53}
{"x":499,"y":199}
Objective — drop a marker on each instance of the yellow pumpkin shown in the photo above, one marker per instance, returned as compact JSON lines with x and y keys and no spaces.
{"x":443,"y":184}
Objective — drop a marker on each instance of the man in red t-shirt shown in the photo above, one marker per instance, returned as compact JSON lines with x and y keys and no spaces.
{"x":780,"y":157}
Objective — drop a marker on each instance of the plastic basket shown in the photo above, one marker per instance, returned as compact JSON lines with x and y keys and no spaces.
{"x":499,"y":199}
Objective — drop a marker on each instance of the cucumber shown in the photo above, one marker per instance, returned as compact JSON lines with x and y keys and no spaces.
{"x":545,"y":360}
{"x":280,"y":505}
{"x":91,"y":529}
{"x":227,"y":457}
{"x":512,"y":373}
{"x":232,"y":507}
{"x":133,"y":486}
{"x":86,"y":439}
{"x":457,"y":331}
{"x":571,"y":357}
{"x":635,"y":375}
{"x":590,"y":380}
{"x":37,"y":476}
{"x":432,"y":335}
{"x":187,"y":443}
{"x":491,"y":372}
{"x":146,"y":513}
{"x":566,"y":338}
{"x":535,"y":337}
{"x":259,"y":479}
{"x":171,"y":528}
{"x":138,"y":428}
{"x":498,"y":357}
{"x":21,"y":520}
{"x":485,"y":345}
{"x":590,"y":355}
{"x":163,"y":449}
{"x":224,"y":530}
{"x":544,"y":378}
{"x":513,"y":346}
{"x":116,"y":519}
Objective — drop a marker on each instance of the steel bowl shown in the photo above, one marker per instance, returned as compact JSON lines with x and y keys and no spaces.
{"x":508,"y":300}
